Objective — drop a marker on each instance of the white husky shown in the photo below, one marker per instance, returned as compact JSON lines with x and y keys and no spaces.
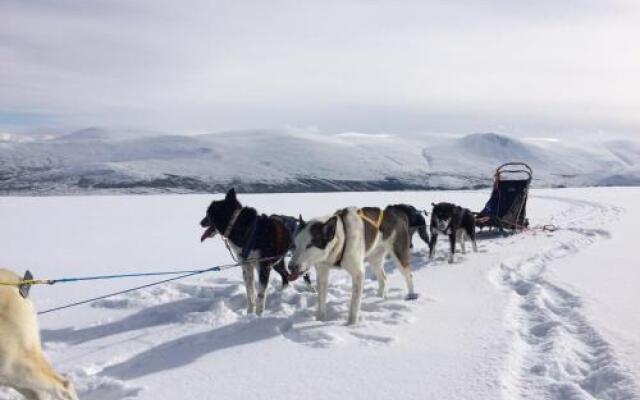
{"x":22,"y":364}
{"x":346,"y":240}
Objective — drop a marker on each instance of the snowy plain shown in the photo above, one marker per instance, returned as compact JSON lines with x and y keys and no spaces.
{"x":531,"y":316}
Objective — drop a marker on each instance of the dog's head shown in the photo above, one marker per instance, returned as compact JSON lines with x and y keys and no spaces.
{"x":219,"y":214}
{"x":441,"y":215}
{"x":312,"y":245}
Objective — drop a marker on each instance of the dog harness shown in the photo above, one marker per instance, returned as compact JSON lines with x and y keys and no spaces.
{"x":258,"y":225}
{"x":229,"y":229}
{"x":338,"y":262}
{"x":377,"y":223}
{"x":256,"y":229}
{"x":232,"y":222}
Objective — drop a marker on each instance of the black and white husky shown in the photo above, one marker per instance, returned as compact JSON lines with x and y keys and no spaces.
{"x":345,"y":240}
{"x":259,"y":241}
{"x":454,"y":221}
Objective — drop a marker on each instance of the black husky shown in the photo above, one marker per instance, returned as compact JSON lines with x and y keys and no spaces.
{"x":455,"y":221}
{"x":259,"y":241}
{"x":416,"y":220}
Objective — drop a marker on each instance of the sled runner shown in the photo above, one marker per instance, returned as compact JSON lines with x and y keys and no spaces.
{"x":507,"y":207}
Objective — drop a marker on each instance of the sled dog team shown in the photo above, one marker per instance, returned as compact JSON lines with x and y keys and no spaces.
{"x":346,"y":240}
{"x":343,"y":240}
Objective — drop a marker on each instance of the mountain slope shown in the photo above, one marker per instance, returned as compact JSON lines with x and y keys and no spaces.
{"x":96,"y":160}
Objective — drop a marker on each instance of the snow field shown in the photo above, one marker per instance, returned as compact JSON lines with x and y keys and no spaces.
{"x":499,"y":323}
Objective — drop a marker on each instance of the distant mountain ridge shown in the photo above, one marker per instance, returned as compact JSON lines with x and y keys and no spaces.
{"x":95,"y":160}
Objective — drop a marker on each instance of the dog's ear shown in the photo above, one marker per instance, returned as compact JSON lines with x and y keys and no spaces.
{"x":301,"y":221}
{"x":329,"y":229}
{"x":433,"y":204}
{"x":231,"y":194}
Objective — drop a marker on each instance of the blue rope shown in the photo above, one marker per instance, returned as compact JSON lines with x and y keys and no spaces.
{"x":78,"y":303}
{"x":184,"y":274}
{"x":142,"y":274}
{"x":128,"y":275}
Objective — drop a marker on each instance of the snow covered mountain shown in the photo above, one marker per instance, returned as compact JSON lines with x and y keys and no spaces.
{"x":97,"y":160}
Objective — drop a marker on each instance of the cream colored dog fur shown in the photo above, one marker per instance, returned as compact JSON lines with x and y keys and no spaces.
{"x":22,"y":364}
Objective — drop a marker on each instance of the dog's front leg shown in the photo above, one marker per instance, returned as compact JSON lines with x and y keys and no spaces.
{"x":282,"y":271}
{"x":31,"y":394}
{"x":422,"y":232}
{"x":263,"y":279}
{"x":38,"y":381}
{"x":357,"y":283}
{"x":248,"y":275}
{"x":461,"y":238}
{"x":472,"y":237}
{"x":376,"y":261}
{"x":323,"y":287}
{"x":452,"y":245}
{"x":432,"y":244}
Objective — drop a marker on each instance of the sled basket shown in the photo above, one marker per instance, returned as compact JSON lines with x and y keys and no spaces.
{"x":507,"y":207}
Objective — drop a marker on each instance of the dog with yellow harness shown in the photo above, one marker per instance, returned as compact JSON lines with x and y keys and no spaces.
{"x":346,"y":240}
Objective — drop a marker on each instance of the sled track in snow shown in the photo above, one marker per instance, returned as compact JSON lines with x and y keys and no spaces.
{"x":556,"y":353}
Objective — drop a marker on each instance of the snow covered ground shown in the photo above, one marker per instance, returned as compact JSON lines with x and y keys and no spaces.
{"x":531,"y":316}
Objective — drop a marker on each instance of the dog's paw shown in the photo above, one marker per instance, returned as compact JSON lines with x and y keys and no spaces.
{"x":412,"y":296}
{"x":305,"y":288}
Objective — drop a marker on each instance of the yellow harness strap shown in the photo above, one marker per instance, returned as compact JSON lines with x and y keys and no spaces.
{"x":26,"y":282}
{"x":377,"y":223}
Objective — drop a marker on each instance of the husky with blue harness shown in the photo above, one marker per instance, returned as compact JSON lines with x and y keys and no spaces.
{"x":259,"y":241}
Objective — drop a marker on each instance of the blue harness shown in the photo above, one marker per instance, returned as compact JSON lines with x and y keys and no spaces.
{"x":290,"y":224}
{"x":256,"y":230}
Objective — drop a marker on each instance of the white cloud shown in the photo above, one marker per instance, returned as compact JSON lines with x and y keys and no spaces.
{"x":532,"y":68}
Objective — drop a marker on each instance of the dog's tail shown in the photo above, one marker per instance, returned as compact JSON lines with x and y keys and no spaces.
{"x":422,"y":232}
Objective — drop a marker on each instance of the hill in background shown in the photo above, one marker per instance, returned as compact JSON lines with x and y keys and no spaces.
{"x":101,"y":161}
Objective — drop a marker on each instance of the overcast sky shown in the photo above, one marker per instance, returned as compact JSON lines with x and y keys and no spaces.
{"x":534,"y":68}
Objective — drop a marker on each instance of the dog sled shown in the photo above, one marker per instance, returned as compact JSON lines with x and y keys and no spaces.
{"x":507,"y":206}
